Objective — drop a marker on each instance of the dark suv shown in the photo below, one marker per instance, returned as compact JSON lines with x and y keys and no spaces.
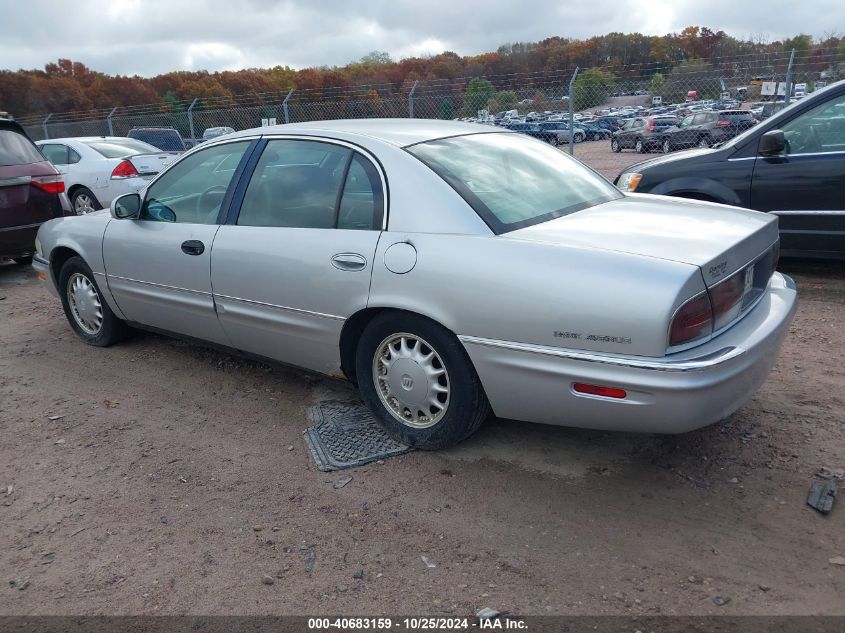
{"x":164,"y":138}
{"x":642,"y":134}
{"x":705,"y":129}
{"x":31,"y":192}
{"x":792,"y":165}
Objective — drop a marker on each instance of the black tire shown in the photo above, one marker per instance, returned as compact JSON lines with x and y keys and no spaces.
{"x":23,"y":261}
{"x":467,"y":407}
{"x":667,"y":147}
{"x":614,"y":145}
{"x":640,"y":147}
{"x":554,"y":142}
{"x":111,"y":329}
{"x":579,"y":138}
{"x":84,"y":194}
{"x":703,"y":142}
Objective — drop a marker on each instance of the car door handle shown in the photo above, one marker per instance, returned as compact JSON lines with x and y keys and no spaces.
{"x":349,"y":261}
{"x":193,"y":247}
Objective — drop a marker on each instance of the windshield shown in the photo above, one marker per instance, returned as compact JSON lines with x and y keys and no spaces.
{"x":122,"y":147}
{"x":513,"y":181}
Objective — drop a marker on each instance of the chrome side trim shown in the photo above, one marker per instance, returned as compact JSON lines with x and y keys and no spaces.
{"x":285,"y":308}
{"x":809,"y":212}
{"x":150,"y":283}
{"x":691,"y":364}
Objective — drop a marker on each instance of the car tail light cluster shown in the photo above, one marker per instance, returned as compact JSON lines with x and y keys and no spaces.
{"x":650,"y":126}
{"x":724,"y":302}
{"x":125,"y":169}
{"x":722,"y":123}
{"x":50,"y":184}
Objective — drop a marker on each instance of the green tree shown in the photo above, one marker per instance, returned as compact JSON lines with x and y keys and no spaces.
{"x":658,"y":83}
{"x":800,"y":44}
{"x":478,"y":92}
{"x":447,"y":110}
{"x":592,"y":88}
{"x":506,"y":100}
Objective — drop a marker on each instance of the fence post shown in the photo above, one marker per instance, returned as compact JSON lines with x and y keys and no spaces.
{"x":572,"y":112}
{"x":787,"y":90}
{"x":285,"y":106}
{"x":44,"y":125}
{"x":191,"y":119}
{"x":411,"y":100}
{"x":108,"y":120}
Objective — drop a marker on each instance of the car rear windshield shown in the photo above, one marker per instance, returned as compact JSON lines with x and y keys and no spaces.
{"x":167,"y":140}
{"x":665,"y":122}
{"x":735,"y":114}
{"x":121,"y":148}
{"x":513,"y":181}
{"x":17,"y":149}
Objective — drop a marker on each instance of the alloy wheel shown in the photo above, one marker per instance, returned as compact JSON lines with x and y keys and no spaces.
{"x":83,"y":204}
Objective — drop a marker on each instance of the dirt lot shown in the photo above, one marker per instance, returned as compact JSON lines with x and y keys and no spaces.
{"x":172,"y":479}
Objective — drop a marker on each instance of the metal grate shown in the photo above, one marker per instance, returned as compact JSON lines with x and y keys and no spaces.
{"x":345,"y":434}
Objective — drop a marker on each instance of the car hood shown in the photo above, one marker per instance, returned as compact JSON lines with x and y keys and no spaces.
{"x":667,"y":158}
{"x":719,"y":239}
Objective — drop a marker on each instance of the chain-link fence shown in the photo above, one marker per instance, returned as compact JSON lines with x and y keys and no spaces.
{"x":607,"y":117}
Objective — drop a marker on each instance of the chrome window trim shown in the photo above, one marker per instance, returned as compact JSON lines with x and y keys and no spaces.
{"x":809,"y":212}
{"x":693,"y":364}
{"x":349,"y":145}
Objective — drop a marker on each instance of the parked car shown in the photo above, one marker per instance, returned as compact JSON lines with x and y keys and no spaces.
{"x":31,"y":192}
{"x":792,"y":165}
{"x":592,"y":308}
{"x":706,"y":129}
{"x":533,"y":129}
{"x":164,"y":138}
{"x":642,"y":133}
{"x":214,"y":132}
{"x":562,"y":132}
{"x":593,"y":132}
{"x":97,"y":169}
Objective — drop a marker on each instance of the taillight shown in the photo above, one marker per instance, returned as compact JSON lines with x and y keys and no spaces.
{"x":125,"y":169}
{"x":726,"y":297}
{"x":650,"y":126}
{"x":693,"y":320}
{"x":50,"y":184}
{"x":722,"y":123}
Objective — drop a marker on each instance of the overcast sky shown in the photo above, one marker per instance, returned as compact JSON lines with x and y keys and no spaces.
{"x":153,"y":36}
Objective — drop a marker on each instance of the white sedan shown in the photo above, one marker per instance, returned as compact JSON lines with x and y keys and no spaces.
{"x":97,"y":169}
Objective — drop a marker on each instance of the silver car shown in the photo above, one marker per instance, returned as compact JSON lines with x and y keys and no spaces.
{"x":449,"y":270}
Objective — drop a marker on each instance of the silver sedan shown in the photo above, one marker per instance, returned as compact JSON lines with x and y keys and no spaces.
{"x":451,"y":271}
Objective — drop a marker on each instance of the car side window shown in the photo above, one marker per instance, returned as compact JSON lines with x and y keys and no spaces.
{"x":55,"y":153}
{"x":296,"y":184}
{"x":192,"y":191}
{"x":72,"y":156}
{"x":819,"y":130}
{"x":362,"y":201}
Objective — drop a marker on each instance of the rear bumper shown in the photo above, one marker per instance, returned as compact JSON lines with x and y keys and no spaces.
{"x":674,"y":394}
{"x":18,"y":241}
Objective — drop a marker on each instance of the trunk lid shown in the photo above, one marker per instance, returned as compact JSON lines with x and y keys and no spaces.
{"x":717,"y":238}
{"x":148,"y":165}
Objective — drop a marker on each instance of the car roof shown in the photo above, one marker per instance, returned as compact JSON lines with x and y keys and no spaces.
{"x":84,"y":139}
{"x":399,"y":132}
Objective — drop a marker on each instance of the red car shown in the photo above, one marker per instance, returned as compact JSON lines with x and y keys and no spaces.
{"x":31,"y":192}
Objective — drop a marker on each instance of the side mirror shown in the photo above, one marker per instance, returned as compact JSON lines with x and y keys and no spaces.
{"x":127,"y":206}
{"x":771,"y":143}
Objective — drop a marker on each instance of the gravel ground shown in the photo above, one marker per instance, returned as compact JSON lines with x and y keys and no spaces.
{"x":159,"y":477}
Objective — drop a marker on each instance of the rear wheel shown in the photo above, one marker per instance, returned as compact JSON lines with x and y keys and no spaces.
{"x":84,"y":201}
{"x":704,"y":142}
{"x":614,"y":145}
{"x":579,"y":138}
{"x":86,"y":310}
{"x":639,"y":146}
{"x":666,"y":146}
{"x":418,"y":381}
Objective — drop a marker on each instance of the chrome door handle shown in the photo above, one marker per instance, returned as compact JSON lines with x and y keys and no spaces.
{"x":349,"y":261}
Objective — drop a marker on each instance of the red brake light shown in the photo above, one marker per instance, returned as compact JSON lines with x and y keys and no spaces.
{"x":726,"y":297}
{"x":50,"y":184}
{"x":692,"y":321}
{"x":125,"y":169}
{"x":598,"y":390}
{"x":650,"y":126}
{"x":722,"y":123}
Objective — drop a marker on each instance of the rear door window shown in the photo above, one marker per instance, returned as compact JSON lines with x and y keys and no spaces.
{"x":17,"y":149}
{"x":56,"y":153}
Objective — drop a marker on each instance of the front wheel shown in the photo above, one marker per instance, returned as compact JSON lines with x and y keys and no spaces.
{"x":579,"y":138}
{"x":639,"y":146}
{"x":614,"y":145}
{"x":704,"y":142}
{"x":86,"y":310}
{"x":418,"y":381}
{"x":666,"y":146}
